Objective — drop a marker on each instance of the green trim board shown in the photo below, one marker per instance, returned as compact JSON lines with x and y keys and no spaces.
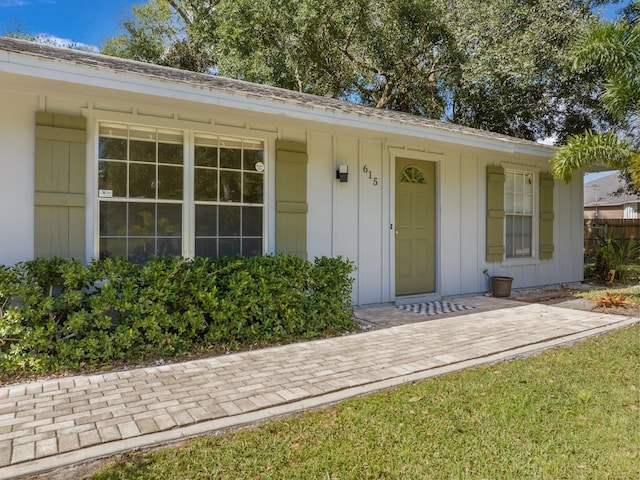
{"x":60,"y":134}
{"x":495,"y":213}
{"x":291,"y":198}
{"x":546,"y":247}
{"x":59,"y":184}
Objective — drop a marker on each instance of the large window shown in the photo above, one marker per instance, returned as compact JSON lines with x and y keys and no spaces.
{"x":518,"y":204}
{"x":140,"y":182}
{"x":143,"y":195}
{"x":228,"y":194}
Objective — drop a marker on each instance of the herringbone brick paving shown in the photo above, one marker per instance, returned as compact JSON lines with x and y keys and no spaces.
{"x":42,"y":421}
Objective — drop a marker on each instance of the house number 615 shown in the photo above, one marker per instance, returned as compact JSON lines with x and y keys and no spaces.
{"x":368,"y":172}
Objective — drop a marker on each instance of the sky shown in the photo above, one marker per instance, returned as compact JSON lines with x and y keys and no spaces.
{"x":85,"y":22}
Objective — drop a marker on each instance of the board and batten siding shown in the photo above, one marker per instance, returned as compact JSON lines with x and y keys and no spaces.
{"x":559,"y":236}
{"x":60,"y":166}
{"x":373,"y":223}
{"x":467,"y":230}
{"x":346,"y":208}
{"x":461,"y":220}
{"x":349,"y":219}
{"x":321,"y":184}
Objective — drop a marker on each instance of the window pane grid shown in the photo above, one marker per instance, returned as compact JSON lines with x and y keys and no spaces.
{"x":519,"y":193}
{"x":519,"y":209}
{"x":141,"y":193}
{"x":140,"y":179}
{"x":519,"y":236}
{"x":228,"y":230}
{"x":139,"y":230}
{"x":229,"y":195}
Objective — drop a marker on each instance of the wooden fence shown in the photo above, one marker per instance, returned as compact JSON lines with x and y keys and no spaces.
{"x":615,"y":228}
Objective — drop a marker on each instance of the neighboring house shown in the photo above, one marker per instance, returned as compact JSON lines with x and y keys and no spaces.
{"x":603,"y":200}
{"x":105,"y":156}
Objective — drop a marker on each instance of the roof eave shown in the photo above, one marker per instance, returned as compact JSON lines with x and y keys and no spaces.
{"x":98,"y":76}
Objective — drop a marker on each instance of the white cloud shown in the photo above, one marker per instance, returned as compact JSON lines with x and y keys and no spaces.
{"x":23,"y":3}
{"x":64,"y":42}
{"x":14,"y":3}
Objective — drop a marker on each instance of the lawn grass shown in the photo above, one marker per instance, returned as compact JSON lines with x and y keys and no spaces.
{"x":570,"y":413}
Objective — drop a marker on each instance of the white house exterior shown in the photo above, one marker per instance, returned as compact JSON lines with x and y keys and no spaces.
{"x":107,"y":156}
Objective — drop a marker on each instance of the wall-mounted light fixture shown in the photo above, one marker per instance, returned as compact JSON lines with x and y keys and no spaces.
{"x":342,"y":173}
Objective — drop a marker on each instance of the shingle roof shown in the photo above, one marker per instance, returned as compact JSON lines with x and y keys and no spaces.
{"x":602,"y":191}
{"x":257,"y":91}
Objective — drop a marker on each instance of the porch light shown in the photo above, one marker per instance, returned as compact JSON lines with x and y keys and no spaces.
{"x":342,"y":173}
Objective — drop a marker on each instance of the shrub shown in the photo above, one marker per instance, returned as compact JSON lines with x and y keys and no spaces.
{"x":602,"y":269}
{"x":621,"y":254}
{"x":589,"y":270}
{"x":59,"y":314}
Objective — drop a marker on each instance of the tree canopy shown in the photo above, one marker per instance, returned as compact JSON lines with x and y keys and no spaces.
{"x":499,"y":65}
{"x":612,"y":50}
{"x":174,"y":33}
{"x":391,"y":54}
{"x":515,"y":76}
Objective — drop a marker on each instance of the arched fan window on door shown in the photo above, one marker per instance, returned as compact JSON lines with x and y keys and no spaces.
{"x":412,"y":174}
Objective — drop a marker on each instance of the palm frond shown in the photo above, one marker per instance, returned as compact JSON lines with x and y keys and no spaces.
{"x":615,"y":46}
{"x":634,"y":169}
{"x":621,"y":95}
{"x":601,"y":149}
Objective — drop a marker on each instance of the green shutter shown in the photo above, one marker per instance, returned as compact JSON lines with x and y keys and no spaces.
{"x":495,"y":213}
{"x":291,"y":198}
{"x":60,"y":158}
{"x":546,"y":216}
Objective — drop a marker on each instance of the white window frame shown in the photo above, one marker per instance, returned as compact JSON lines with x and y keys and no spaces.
{"x":197,"y":136}
{"x":533,"y":257}
{"x":189,"y":131}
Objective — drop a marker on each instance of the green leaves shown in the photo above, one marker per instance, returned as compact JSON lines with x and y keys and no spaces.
{"x":513,"y":74}
{"x":171,"y":33}
{"x":383,"y":54}
{"x":591,"y":149}
{"x":613,"y":46}
{"x":58,"y":313}
{"x":613,"y":50}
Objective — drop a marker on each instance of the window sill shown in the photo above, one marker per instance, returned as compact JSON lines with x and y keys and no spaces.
{"x":520,"y":262}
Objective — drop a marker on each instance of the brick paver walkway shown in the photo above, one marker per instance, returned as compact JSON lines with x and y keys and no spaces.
{"x":53,"y":423}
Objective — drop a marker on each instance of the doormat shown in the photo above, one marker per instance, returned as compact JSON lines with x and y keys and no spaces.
{"x":434,"y":308}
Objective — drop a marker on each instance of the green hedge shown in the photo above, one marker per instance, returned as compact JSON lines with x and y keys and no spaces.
{"x":62,"y":315}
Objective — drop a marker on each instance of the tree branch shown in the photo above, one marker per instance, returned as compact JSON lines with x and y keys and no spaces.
{"x":387,"y":95}
{"x":181,"y":11}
